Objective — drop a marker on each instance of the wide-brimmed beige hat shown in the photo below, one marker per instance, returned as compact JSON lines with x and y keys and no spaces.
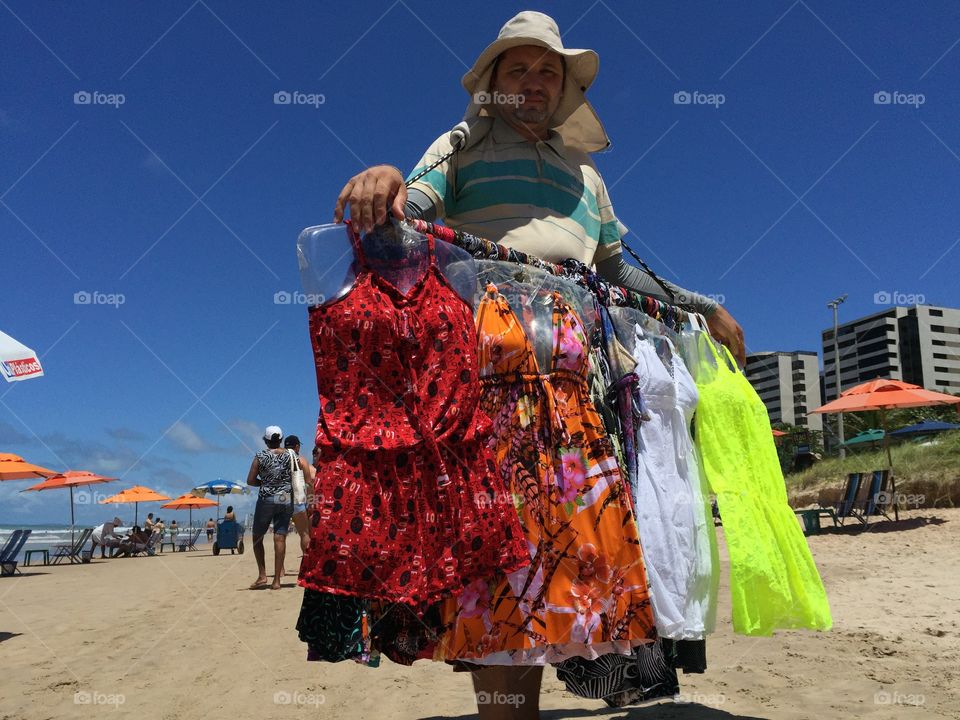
{"x":575,"y":119}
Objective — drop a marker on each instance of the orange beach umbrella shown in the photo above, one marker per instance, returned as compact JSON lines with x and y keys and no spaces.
{"x":70,"y":479}
{"x":14,"y":467}
{"x":885,"y":395}
{"x":189,"y":502}
{"x":136,"y":495}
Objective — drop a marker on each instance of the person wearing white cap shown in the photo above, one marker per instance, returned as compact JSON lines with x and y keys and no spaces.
{"x":105,"y":536}
{"x":523,"y":176}
{"x":270,"y":471}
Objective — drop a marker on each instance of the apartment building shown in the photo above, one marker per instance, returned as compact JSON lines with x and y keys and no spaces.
{"x":789,"y":385}
{"x":918,"y":344}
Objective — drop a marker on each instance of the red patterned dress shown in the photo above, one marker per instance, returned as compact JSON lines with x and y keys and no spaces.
{"x":402,"y":511}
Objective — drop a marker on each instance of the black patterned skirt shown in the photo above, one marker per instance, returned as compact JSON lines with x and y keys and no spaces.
{"x":339,"y":627}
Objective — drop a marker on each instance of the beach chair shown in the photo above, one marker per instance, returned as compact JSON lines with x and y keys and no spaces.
{"x":881,"y":496}
{"x":14,"y":537}
{"x":840,"y":506}
{"x":72,"y":551}
{"x":190,"y":543}
{"x":8,"y":558}
{"x":859,"y":509}
{"x":150,"y":548}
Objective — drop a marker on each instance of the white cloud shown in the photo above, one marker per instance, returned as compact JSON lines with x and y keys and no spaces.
{"x":186,"y":438}
{"x":250,"y":433}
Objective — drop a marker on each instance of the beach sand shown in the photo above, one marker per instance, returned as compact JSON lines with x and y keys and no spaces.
{"x":179,"y":636}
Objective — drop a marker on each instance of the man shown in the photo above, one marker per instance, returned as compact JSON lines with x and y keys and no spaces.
{"x":527,"y":180}
{"x":105,"y":535}
{"x":270,"y":471}
{"x":300,"y":520}
{"x":148,"y":524}
{"x":524,"y":179}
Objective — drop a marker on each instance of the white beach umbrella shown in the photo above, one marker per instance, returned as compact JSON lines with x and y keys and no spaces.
{"x":17,"y":361}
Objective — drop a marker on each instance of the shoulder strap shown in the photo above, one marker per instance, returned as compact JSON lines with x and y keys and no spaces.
{"x":356,"y":243}
{"x":431,"y":249}
{"x":725,"y":362}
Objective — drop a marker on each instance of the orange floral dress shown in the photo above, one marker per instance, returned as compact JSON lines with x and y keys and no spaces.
{"x":585,"y":593}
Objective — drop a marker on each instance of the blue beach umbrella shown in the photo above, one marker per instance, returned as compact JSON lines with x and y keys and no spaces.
{"x":220,"y":487}
{"x":926,"y":426}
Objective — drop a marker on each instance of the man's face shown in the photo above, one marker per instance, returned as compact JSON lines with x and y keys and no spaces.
{"x":535,"y":74}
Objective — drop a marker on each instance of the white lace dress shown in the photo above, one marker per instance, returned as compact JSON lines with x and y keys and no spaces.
{"x":672,"y":515}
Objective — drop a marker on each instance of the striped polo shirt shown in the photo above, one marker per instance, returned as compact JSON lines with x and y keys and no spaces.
{"x":542,"y":198}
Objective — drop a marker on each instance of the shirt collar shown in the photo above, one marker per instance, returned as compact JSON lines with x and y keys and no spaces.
{"x":501,"y":132}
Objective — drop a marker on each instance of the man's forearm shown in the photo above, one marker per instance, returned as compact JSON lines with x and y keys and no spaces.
{"x":615,"y":270}
{"x":419,"y":206}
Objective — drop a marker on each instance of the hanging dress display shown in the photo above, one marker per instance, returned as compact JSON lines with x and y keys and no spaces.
{"x":584,"y":593}
{"x":489,"y":495}
{"x":774,"y":582}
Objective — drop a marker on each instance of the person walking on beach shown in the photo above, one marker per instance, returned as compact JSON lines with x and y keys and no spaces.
{"x":300,"y":521}
{"x":270,"y":471}
{"x":211,"y":526}
{"x":526,"y":180}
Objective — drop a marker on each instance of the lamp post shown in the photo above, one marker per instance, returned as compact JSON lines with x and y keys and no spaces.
{"x":834,"y":304}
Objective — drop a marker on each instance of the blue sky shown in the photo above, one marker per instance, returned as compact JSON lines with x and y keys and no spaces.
{"x":187,"y":198}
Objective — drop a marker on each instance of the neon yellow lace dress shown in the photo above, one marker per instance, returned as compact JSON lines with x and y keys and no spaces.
{"x":774,"y":582}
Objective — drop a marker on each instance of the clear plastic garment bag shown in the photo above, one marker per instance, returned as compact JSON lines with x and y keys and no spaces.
{"x":532,"y":294}
{"x":398,"y":253}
